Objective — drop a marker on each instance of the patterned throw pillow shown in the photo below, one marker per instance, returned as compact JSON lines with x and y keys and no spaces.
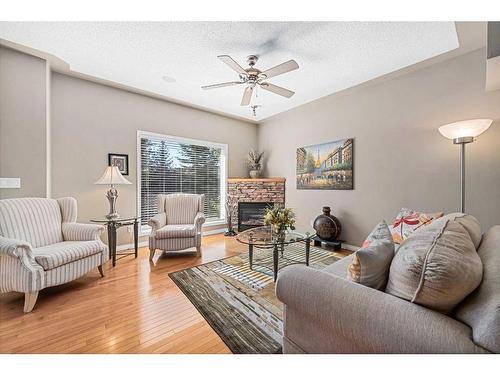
{"x":408,"y":221}
{"x":370,"y":264}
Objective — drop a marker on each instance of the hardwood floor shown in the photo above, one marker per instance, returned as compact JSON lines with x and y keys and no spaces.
{"x":135,"y":308}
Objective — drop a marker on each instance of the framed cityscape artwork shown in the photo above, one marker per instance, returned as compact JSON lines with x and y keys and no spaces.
{"x":326,"y":166}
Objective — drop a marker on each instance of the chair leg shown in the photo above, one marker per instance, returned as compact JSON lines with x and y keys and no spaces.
{"x":100,"y":270}
{"x":29,"y":301}
{"x":198,"y":251}
{"x":151,"y":254}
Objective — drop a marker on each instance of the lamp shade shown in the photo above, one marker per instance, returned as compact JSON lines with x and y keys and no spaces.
{"x":112,"y":176}
{"x":468,"y":128}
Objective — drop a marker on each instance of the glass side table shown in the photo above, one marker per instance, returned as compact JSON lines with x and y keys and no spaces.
{"x":112,"y":225}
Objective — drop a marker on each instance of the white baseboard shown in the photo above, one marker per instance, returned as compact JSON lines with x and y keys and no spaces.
{"x":214,"y":231}
{"x":129,"y":246}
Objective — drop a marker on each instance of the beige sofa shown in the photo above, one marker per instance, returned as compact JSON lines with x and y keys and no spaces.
{"x":325,"y":313}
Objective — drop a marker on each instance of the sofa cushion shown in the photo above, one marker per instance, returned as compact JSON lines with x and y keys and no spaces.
{"x":176,"y":231}
{"x":481,"y":309}
{"x":338,"y":268}
{"x":408,"y":221}
{"x":61,"y":253}
{"x":370,"y":264}
{"x":436,"y":267}
{"x":34,"y":220}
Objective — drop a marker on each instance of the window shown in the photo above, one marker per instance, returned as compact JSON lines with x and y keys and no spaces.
{"x":179,"y":165}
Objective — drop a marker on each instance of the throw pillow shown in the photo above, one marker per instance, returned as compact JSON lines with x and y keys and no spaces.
{"x":370,"y":264}
{"x":408,"y":221}
{"x":436,"y":267}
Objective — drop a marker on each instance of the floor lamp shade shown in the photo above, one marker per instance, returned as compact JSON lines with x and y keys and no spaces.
{"x":465,"y":129}
{"x":112,"y":177}
{"x":463,"y":132}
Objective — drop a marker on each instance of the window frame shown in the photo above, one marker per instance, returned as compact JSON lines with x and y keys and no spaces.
{"x":146,"y":229}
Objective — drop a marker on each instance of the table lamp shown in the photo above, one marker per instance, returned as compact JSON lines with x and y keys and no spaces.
{"x":112,"y":177}
{"x":461,"y":133}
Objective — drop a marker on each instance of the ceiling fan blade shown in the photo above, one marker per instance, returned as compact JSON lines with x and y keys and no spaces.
{"x":279,"y":69}
{"x":228,"y":60}
{"x":247,"y":96}
{"x":277,"y":89}
{"x":217,"y":85}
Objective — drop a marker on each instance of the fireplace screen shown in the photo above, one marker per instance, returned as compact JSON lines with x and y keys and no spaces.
{"x":251,"y":214}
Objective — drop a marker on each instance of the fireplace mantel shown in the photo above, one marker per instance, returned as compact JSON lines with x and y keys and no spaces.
{"x":259,"y":190}
{"x":241,"y":179}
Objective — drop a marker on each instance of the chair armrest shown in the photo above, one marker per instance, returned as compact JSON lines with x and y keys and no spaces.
{"x":14,"y":247}
{"x":342,"y":316}
{"x":81,"y":232}
{"x":158,"y":221}
{"x":199,"y":219}
{"x":23,"y":274}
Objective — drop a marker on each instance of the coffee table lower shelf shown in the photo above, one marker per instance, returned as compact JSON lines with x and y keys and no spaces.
{"x":277,"y":249}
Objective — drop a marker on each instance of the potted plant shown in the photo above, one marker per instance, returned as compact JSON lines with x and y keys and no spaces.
{"x":254,"y":161}
{"x":280,"y":219}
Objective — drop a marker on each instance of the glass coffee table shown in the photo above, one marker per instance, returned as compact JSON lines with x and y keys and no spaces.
{"x":264,"y":238}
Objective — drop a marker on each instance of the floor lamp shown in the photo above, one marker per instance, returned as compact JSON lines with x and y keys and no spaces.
{"x":461,"y":133}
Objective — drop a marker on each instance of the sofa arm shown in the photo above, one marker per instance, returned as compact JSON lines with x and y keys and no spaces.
{"x":14,"y":247}
{"x":158,"y":221}
{"x":81,"y":232}
{"x":199,"y":219}
{"x":327,"y":314}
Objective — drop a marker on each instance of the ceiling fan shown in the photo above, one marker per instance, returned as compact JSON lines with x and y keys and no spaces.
{"x":251,"y":77}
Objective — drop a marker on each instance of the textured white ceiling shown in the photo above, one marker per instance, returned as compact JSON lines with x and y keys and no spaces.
{"x":332,"y":55}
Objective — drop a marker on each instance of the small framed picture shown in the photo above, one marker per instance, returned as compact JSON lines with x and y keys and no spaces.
{"x":119,"y":160}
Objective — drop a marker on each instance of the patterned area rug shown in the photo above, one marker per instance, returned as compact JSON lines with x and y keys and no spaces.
{"x":239,"y":303}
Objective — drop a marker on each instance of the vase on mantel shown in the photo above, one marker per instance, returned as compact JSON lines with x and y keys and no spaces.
{"x":254,"y":173}
{"x":254,"y":161}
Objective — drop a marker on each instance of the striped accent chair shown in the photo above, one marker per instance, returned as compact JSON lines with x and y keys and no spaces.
{"x":42,"y":245}
{"x":177,"y":225}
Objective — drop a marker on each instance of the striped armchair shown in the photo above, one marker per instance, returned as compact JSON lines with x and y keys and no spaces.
{"x":177,"y":225}
{"x":41,"y":245}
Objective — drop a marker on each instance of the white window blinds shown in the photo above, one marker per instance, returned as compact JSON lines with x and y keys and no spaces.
{"x":176,"y":165}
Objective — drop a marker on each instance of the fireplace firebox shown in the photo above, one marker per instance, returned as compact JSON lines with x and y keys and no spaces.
{"x":251,"y":214}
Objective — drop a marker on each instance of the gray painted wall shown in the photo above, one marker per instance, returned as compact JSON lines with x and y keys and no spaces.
{"x":90,"y":120}
{"x":23,"y":123}
{"x":400,"y":159}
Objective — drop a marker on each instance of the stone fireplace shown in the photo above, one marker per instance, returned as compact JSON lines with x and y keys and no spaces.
{"x":259,"y":193}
